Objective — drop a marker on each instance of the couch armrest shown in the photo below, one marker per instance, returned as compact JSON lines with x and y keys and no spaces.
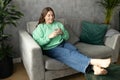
{"x":114,"y":43}
{"x":32,"y":56}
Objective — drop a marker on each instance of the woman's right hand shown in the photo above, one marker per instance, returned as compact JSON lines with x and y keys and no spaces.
{"x":55,"y":33}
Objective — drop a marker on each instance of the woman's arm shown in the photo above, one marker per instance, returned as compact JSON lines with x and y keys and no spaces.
{"x":65,"y":33}
{"x":39,"y":36}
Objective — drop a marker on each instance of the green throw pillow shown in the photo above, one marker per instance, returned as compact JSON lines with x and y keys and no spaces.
{"x":93,"y":33}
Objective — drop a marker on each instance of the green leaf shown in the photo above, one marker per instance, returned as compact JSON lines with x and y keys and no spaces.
{"x":9,"y":15}
{"x":109,"y":6}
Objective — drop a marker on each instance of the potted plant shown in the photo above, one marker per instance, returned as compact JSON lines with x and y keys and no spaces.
{"x":8,"y":17}
{"x":109,"y":6}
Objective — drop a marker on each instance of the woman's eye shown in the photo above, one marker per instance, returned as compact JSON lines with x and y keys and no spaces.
{"x":48,"y":15}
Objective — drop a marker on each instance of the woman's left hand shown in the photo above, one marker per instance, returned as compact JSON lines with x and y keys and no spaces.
{"x":59,"y":31}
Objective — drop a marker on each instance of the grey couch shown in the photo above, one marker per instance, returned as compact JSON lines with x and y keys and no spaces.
{"x":41,"y":67}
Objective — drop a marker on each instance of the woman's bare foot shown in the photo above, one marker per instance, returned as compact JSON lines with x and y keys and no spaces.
{"x":99,"y":71}
{"x":101,"y":62}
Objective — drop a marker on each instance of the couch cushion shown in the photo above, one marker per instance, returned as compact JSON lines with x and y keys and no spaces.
{"x":52,"y":64}
{"x":94,"y":51}
{"x":93,"y":33}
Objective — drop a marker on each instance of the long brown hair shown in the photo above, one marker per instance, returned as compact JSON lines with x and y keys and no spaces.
{"x":44,"y":13}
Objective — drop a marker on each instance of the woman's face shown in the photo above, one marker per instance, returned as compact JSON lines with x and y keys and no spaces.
{"x":49,"y":18}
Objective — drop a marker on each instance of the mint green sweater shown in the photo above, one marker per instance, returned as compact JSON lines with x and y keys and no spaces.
{"x":42,"y":31}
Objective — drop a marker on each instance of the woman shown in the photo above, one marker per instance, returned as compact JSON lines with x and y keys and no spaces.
{"x":52,"y":36}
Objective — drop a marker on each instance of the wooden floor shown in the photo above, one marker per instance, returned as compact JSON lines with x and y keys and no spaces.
{"x":20,"y":74}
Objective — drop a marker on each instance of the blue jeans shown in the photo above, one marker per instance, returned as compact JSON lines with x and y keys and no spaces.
{"x":69,"y":55}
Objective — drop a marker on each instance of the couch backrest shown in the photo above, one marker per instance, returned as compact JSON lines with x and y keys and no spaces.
{"x":73,"y":38}
{"x":32,"y":25}
{"x":75,"y":24}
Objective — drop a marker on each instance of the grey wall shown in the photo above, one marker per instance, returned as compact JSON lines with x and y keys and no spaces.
{"x":77,"y":9}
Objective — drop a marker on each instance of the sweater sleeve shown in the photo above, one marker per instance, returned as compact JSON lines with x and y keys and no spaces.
{"x":65,"y":34}
{"x":39,"y":37}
